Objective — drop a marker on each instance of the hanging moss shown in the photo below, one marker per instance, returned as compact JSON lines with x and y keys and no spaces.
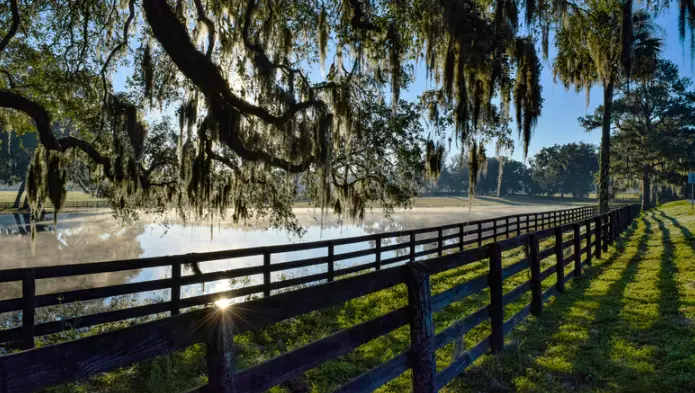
{"x":36,"y":188}
{"x":323,"y":32}
{"x":56,"y":178}
{"x":148,"y":72}
{"x":473,"y":166}
{"x":434,"y":159}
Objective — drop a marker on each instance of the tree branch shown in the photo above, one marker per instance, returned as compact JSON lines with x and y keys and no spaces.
{"x":10,"y":79}
{"x":226,"y":107}
{"x":126,"y":27}
{"x":13,"y":27}
{"x":357,"y":21}
{"x":42,"y":119}
{"x":210,"y":26}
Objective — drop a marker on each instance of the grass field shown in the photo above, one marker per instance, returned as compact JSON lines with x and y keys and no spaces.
{"x":9,"y":196}
{"x":629,"y":327}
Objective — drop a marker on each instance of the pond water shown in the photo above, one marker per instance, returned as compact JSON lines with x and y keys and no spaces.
{"x":94,"y":236}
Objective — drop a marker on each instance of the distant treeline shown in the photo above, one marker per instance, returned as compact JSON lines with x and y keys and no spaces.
{"x":568,"y":169}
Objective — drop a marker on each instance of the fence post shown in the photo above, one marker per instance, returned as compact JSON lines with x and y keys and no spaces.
{"x":535,"y":222}
{"x":604,"y":241}
{"x":518,"y":225}
{"x":597,"y":236}
{"x":480,"y":234}
{"x":421,"y":329}
{"x":494,"y":230}
{"x":461,"y":226}
{"x":527,"y":223}
{"x":506,"y":224}
{"x":377,"y":253}
{"x":559,"y":264}
{"x":536,"y":282}
{"x":220,"y":353}
{"x":331,"y":262}
{"x":577,"y":251}
{"x":587,"y":224}
{"x":28,"y":308}
{"x":266,"y":273}
{"x":440,"y":246}
{"x":496,"y":298}
{"x":175,"y":288}
{"x":412,"y":247}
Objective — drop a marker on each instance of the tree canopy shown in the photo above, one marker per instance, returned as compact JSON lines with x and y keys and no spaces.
{"x":653,"y":130}
{"x":566,"y":169}
{"x":251,"y":107}
{"x":253,"y":111}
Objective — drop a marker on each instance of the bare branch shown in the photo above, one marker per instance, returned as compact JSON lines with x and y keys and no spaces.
{"x":13,"y":27}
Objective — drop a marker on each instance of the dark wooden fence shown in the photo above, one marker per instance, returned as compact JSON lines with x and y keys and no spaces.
{"x":36,"y":369}
{"x":408,"y":246}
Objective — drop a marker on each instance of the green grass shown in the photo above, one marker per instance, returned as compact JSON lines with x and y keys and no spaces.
{"x":626,"y":326}
{"x":629,"y":327}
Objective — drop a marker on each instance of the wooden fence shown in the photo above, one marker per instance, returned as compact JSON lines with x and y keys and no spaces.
{"x":408,"y":246}
{"x":36,"y":369}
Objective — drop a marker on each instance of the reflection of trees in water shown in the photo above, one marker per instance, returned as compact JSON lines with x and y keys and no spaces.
{"x":94,"y":241}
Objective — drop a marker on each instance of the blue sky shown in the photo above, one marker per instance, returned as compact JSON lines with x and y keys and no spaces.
{"x":558,"y":122}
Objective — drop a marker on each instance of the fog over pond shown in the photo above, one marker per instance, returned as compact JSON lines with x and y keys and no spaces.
{"x":94,"y":236}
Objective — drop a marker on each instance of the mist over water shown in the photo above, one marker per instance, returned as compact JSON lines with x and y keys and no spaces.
{"x":95,"y":236}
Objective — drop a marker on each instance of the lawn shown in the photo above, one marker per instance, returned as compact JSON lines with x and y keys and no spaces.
{"x":629,"y":326}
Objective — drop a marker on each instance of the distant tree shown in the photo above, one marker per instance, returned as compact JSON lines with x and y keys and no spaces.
{"x":653,"y":131}
{"x":503,"y":176}
{"x":514,"y":179}
{"x":565,"y":169}
{"x":16,"y":152}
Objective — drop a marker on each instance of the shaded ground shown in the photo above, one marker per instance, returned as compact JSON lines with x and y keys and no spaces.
{"x":629,"y":326}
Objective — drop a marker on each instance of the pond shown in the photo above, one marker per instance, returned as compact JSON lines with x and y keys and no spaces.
{"x":93,"y":235}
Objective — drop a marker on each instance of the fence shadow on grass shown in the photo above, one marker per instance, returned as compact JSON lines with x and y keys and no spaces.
{"x":497,"y":373}
{"x":611,"y":341}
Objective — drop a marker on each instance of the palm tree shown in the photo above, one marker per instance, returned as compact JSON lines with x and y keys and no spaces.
{"x":597,"y":45}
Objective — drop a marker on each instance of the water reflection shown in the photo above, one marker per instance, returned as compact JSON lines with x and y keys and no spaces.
{"x":96,"y":236}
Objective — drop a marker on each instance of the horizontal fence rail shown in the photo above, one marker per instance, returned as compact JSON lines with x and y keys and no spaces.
{"x":383,"y":250}
{"x":36,"y":369}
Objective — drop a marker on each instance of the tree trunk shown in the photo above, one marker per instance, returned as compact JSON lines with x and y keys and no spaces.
{"x":18,"y":199}
{"x":605,"y":159}
{"x":646,"y":188}
{"x":499,"y":177}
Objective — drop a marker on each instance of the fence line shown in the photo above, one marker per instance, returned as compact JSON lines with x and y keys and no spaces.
{"x":432,"y":241}
{"x":36,"y":369}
